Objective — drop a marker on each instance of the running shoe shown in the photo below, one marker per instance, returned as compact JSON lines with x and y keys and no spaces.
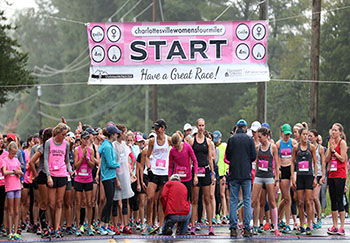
{"x":45,"y":234}
{"x":260,"y":229}
{"x":58,"y":234}
{"x":267,"y":226}
{"x":193,"y":231}
{"x":109,"y":231}
{"x":198,"y":226}
{"x":300,"y":231}
{"x":295,"y":227}
{"x":11,"y":236}
{"x":127,"y":230}
{"x":146,"y":230}
{"x":277,"y":233}
{"x":17,"y":237}
{"x":116,"y":230}
{"x":255,"y":230}
{"x":138,"y":225}
{"x":286,"y":230}
{"x":211,"y":230}
{"x":154,"y":229}
{"x":38,"y":230}
{"x":341,"y":231}
{"x":219,"y":220}
{"x":247,"y":233}
{"x":319,"y":223}
{"x":90,"y":231}
{"x":103,"y":231}
{"x":78,"y":233}
{"x":82,"y":229}
{"x":323,"y":215}
{"x":332,"y":231}
{"x":308,"y":231}
{"x":69,"y":231}
{"x":233,"y":232}
{"x":281,"y":224}
{"x":23,"y":226}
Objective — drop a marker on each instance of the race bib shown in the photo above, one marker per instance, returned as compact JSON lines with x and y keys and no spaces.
{"x":181,"y":171}
{"x":286,"y":153}
{"x":160,"y":164}
{"x":334,"y":165}
{"x":83,"y":171}
{"x":303,"y":165}
{"x":201,"y":172}
{"x":253,"y":165}
{"x":55,"y":165}
{"x":263,"y":165}
{"x":1,"y":177}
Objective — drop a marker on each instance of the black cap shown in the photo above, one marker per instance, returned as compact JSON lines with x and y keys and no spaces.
{"x":91,"y":131}
{"x":84,"y":134}
{"x":158,"y":124}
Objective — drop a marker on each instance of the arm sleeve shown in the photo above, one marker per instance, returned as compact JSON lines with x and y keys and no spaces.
{"x":132,"y":156}
{"x":253,"y":151}
{"x":171,"y":163}
{"x":194,"y":159}
{"x":20,"y":158}
{"x":46,"y":158}
{"x":110,"y":161}
{"x":227,"y":153}
{"x":69,"y":168}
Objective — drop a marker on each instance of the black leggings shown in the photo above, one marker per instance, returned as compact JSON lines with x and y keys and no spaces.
{"x":116,"y":206}
{"x":109,"y":186}
{"x":2,"y":203}
{"x":133,"y":201}
{"x":336,"y":191}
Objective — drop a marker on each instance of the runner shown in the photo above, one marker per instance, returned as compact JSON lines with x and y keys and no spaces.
{"x":203,"y":151}
{"x":321,"y":168}
{"x":3,"y":153}
{"x":84,"y":162}
{"x":304,"y":155}
{"x":285,"y":151}
{"x":159,"y":146}
{"x":267,"y":162}
{"x":11,"y":168}
{"x":56,"y":165}
{"x":336,"y":158}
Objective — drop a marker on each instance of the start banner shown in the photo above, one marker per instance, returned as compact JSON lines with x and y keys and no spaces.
{"x":178,"y":52}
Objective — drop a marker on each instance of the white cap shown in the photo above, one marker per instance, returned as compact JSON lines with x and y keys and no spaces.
{"x":249,"y":132}
{"x":255,"y":126}
{"x":152,"y":134}
{"x":187,"y":126}
{"x":194,"y":130}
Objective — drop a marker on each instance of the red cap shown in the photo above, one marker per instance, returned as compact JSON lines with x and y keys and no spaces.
{"x":12,"y":136}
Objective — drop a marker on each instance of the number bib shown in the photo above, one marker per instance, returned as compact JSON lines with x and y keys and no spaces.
{"x":263,"y":165}
{"x":286,"y":153}
{"x":160,"y":164}
{"x":201,"y":172}
{"x":303,"y":165}
{"x":181,"y":171}
{"x":55,"y":165}
{"x":83,"y":171}
{"x":334,"y":165}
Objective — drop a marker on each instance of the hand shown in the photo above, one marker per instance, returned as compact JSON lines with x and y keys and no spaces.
{"x":72,"y":175}
{"x":97,"y":179}
{"x":138,"y":188}
{"x":117,"y":184}
{"x":195,"y":180}
{"x":315,"y":182}
{"x":63,"y":120}
{"x":294,"y":184}
{"x":277,"y":186}
{"x":132,"y":178}
{"x":323,"y":180}
{"x":144,"y":186}
{"x":49,"y":181}
{"x":85,"y":150}
{"x":345,"y":188}
{"x":213,"y":179}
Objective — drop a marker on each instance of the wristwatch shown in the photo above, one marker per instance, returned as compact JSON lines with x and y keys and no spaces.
{"x":333,"y":152}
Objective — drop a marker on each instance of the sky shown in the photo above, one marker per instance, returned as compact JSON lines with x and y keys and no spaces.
{"x":15,"y":5}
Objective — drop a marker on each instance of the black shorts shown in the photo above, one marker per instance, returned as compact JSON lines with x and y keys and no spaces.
{"x":26,"y":185}
{"x":145,"y":180}
{"x":285,"y":172}
{"x":42,"y":178}
{"x":69,"y":185}
{"x":158,"y":179}
{"x":206,"y":180}
{"x":59,"y":181}
{"x":80,"y":187}
{"x":188,"y":185}
{"x":304,"y":182}
{"x":318,"y":179}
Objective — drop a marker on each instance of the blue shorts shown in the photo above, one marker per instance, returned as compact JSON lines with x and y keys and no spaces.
{"x":14,"y":194}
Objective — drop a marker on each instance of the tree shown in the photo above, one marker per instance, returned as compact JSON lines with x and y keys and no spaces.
{"x":13,"y":63}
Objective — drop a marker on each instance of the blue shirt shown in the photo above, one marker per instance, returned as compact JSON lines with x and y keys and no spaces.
{"x":108,"y":161}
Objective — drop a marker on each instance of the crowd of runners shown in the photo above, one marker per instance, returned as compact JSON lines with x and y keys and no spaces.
{"x":110,"y":180}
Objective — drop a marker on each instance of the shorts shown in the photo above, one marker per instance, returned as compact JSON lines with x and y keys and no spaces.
{"x":285,"y":172}
{"x":145,"y":180}
{"x":206,"y":180}
{"x":35,"y":184}
{"x":304,"y":182}
{"x":159,"y":180}
{"x":318,"y":179}
{"x":69,"y":185}
{"x":26,"y":185}
{"x":80,"y":187}
{"x":42,"y":178}
{"x":14,"y":194}
{"x":264,"y":181}
{"x":59,"y":181}
{"x":188,"y":185}
{"x":94,"y":172}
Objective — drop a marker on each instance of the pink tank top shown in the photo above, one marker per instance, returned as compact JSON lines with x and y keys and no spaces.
{"x":2,"y":177}
{"x":57,"y":156}
{"x":28,"y":176}
{"x":12,"y":182}
{"x":84,"y":173}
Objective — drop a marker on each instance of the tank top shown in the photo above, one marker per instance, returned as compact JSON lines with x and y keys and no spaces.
{"x":12,"y":182}
{"x":286,"y":149}
{"x":160,"y":161}
{"x":336,"y":168}
{"x":57,"y":156}
{"x":201,"y":151}
{"x":319,"y":163}
{"x":3,"y":154}
{"x":28,"y":175}
{"x":84,"y":173}
{"x":304,"y":160}
{"x":264,"y":163}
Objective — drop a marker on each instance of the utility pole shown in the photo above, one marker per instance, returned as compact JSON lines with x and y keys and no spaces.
{"x":39,"y":113}
{"x":261,"y":101}
{"x":154,"y":86}
{"x":315,"y":62}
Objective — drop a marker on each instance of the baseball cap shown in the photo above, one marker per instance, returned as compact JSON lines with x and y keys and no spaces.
{"x":194,"y":131}
{"x":287,"y":129}
{"x":70,"y":134}
{"x":85,"y":134}
{"x":152,"y":134}
{"x":112,"y":129}
{"x":216,"y":136}
{"x":175,"y":177}
{"x":265,"y":124}
{"x":241,"y":123}
{"x":11,"y":136}
{"x":139,"y":138}
{"x":255,"y":126}
{"x":91,"y":131}
{"x":159,"y":123}
{"x":187,"y":126}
